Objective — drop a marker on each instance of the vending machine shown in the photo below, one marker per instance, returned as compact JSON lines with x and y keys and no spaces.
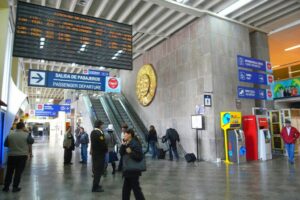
{"x":258,"y":137}
{"x":234,"y":139}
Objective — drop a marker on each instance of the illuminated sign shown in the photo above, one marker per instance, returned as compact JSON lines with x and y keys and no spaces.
{"x":57,"y":35}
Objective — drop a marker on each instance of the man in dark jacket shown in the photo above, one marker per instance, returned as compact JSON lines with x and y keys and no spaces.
{"x":173,"y":137}
{"x":289,"y":135}
{"x":98,"y":151}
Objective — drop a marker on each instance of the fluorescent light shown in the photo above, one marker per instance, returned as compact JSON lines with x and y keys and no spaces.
{"x":273,"y":67}
{"x":42,"y":43}
{"x":182,"y":1}
{"x":84,"y":45}
{"x":42,"y":39}
{"x":42,"y":61}
{"x":94,"y":94}
{"x":41,"y":47}
{"x":120,"y":51}
{"x":293,"y":47}
{"x":82,"y":49}
{"x":114,"y":58}
{"x":37,"y":100}
{"x":234,"y":7}
{"x":102,"y":68}
{"x":38,"y":92}
{"x":50,"y":100}
{"x":73,"y":64}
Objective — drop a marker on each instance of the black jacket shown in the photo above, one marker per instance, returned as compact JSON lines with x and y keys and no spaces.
{"x":98,"y":144}
{"x":136,"y":154}
{"x":172,"y":135}
{"x":152,"y":136}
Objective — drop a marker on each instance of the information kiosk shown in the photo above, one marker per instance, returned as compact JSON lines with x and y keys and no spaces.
{"x":235,"y":150}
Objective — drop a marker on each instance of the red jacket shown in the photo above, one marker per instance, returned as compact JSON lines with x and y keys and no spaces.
{"x":289,"y":139}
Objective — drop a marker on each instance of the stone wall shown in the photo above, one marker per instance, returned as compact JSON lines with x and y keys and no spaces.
{"x":199,"y":59}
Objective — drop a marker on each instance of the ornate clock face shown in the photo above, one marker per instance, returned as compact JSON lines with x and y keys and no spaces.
{"x":146,"y":84}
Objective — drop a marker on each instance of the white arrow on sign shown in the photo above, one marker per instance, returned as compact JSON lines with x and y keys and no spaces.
{"x":37,"y":78}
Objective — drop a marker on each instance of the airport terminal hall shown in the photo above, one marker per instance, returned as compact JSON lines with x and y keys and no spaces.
{"x":150,"y":99}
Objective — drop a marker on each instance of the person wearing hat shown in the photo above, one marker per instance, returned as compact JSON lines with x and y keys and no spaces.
{"x":98,"y":151}
{"x":289,"y":135}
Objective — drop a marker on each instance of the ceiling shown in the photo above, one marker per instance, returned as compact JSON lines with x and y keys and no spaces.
{"x":155,"y":20}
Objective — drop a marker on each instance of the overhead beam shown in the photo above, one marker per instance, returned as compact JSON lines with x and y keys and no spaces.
{"x":247,"y":8}
{"x":114,"y":10}
{"x":57,"y":5}
{"x":87,"y":7}
{"x":101,"y":8}
{"x":279,"y":14}
{"x":126,"y":13}
{"x":137,"y":16}
{"x":72,"y":5}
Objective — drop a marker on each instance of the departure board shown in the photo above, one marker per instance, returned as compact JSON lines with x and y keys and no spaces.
{"x":56,"y":35}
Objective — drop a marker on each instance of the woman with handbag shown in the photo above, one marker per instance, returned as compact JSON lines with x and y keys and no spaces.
{"x":133,"y":165}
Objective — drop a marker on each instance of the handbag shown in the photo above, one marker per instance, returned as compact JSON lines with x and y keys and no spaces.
{"x":30,"y":139}
{"x":130,"y":164}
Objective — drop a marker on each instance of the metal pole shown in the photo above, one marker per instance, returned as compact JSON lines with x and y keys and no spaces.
{"x":197,"y":144}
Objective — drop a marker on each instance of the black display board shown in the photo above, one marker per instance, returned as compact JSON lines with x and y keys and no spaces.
{"x":57,"y":35}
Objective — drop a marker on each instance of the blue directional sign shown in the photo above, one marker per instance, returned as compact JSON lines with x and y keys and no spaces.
{"x":53,"y":79}
{"x":42,"y":113}
{"x":57,"y":108}
{"x":254,"y":77}
{"x":252,"y":63}
{"x":68,"y":101}
{"x":98,"y":73}
{"x":251,"y":93}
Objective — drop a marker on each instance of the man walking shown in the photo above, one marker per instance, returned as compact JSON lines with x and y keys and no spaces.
{"x":98,"y":151}
{"x":17,"y":156}
{"x":289,"y":135}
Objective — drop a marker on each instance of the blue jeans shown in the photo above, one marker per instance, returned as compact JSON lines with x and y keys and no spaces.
{"x":84,"y":152}
{"x":173,"y":147}
{"x":290,"y":148}
{"x":153,"y":148}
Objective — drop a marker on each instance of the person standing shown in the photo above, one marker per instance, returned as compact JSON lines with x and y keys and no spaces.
{"x":124,"y":129}
{"x":111,"y":156}
{"x":133,"y":148}
{"x":18,"y":146}
{"x":84,"y":142}
{"x":98,"y":151}
{"x":289,"y":135}
{"x":69,"y":146}
{"x":173,"y":137}
{"x":152,"y":140}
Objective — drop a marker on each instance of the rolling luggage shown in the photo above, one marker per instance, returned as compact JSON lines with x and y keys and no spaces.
{"x":190,"y":157}
{"x":161,"y":153}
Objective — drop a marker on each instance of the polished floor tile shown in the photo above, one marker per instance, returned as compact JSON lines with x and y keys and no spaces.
{"x":46,"y":177}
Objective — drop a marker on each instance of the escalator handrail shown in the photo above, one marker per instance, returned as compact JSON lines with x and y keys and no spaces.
{"x":133,"y":113}
{"x":114,"y":109}
{"x":90,"y":108}
{"x":111,"y":118}
{"x":140,"y":132}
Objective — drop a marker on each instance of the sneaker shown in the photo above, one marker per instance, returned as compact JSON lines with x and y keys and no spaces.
{"x":16,"y":189}
{"x":5,"y":189}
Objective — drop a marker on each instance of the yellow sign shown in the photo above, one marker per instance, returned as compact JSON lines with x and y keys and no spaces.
{"x":230,"y":120}
{"x":146,"y":84}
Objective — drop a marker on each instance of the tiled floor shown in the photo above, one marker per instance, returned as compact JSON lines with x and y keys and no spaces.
{"x":46,"y":178}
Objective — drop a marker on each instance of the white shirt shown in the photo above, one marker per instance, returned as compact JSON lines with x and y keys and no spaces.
{"x":288,"y":129}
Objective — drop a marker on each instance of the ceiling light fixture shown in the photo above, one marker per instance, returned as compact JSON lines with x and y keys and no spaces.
{"x":292,"y":48}
{"x":73,"y":64}
{"x":114,"y":58}
{"x":42,"y":61}
{"x":37,"y":100}
{"x":234,"y":7}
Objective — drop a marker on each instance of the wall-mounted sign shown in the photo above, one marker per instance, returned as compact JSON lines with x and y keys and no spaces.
{"x":57,"y":35}
{"x":113,"y":84}
{"x":254,"y":93}
{"x":286,"y":88}
{"x":207,"y":100}
{"x":146,"y":84}
{"x":53,"y":79}
{"x":42,"y":113}
{"x":256,"y":78}
{"x":252,"y":63}
{"x":95,"y":72}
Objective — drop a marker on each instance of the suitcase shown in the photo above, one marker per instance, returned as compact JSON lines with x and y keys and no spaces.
{"x":190,"y":157}
{"x":161,"y":154}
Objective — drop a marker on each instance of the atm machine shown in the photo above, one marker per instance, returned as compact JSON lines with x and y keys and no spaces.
{"x":258,"y":137}
{"x":234,"y":139}
{"x":236,"y":145}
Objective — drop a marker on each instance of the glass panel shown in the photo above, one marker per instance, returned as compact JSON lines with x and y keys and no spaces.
{"x":280,"y":74}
